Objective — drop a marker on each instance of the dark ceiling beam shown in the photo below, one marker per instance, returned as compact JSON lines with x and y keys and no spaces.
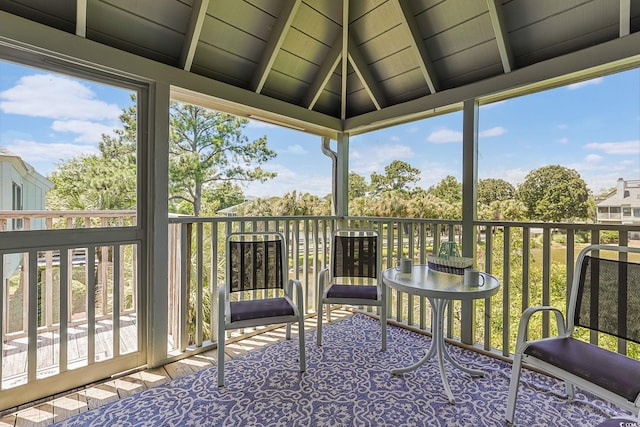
{"x":345,"y":59}
{"x":625,"y":17}
{"x":356,"y":58}
{"x":81,"y":18}
{"x":417,"y":45}
{"x":196,"y":20}
{"x":501,"y":33}
{"x":278,"y":34}
{"x":325,"y":71}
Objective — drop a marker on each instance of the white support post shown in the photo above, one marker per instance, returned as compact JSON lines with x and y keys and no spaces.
{"x":342,"y":176}
{"x":469,"y":203}
{"x":154,"y":196}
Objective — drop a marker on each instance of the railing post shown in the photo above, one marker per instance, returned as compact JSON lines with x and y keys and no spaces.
{"x":185,"y":276}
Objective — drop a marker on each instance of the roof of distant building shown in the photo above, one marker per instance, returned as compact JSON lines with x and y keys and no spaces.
{"x":235,"y":208}
{"x":18,"y":162}
{"x":626,"y":195}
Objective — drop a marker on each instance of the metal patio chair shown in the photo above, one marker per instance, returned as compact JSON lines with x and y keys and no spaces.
{"x":605,"y":298}
{"x":258,"y":291}
{"x":354,"y":276}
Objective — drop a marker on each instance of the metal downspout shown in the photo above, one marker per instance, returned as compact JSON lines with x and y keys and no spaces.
{"x":326,"y":149}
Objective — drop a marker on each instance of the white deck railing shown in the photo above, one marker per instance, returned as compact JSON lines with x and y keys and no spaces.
{"x":530,"y":260}
{"x":46,"y":285}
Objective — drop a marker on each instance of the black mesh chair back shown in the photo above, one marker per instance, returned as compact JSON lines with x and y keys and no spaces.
{"x":354,"y":277}
{"x":608,"y":297}
{"x":355,"y":256}
{"x":255,"y":265}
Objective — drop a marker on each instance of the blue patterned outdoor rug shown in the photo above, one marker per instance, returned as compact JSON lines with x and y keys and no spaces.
{"x":348,"y":383}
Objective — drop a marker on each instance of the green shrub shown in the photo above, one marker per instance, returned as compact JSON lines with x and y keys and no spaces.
{"x":560,"y":238}
{"x":609,"y":237}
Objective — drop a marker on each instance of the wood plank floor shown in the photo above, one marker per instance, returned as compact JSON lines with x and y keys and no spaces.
{"x":62,"y":406}
{"x":15,"y":355}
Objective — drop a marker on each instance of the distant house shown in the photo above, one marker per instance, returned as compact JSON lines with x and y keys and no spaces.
{"x":21,"y":188}
{"x":621,"y":206}
{"x":233,"y":211}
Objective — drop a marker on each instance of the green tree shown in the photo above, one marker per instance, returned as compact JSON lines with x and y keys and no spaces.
{"x":208,"y":155}
{"x":392,"y":203}
{"x":448,"y":190}
{"x":259,"y":207}
{"x":494,"y":189}
{"x":291,"y":204}
{"x":554,"y":193}
{"x":503,"y":210}
{"x":207,"y":148}
{"x":214,"y":198}
{"x":358,"y":186}
{"x":102,"y":181}
{"x":425,"y":205}
{"x":362,"y":206}
{"x":398,"y":176}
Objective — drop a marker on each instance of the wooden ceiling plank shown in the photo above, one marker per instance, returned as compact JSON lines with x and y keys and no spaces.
{"x":417,"y":45}
{"x":196,"y":20}
{"x":502,"y":36}
{"x":280,"y":30}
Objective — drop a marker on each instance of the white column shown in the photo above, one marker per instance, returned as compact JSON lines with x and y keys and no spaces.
{"x":154,"y":208}
{"x":342,"y":175}
{"x":469,"y":203}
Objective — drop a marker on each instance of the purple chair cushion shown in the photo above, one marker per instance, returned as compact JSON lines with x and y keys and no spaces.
{"x":257,"y":309}
{"x":353,"y":291}
{"x":611,"y":371}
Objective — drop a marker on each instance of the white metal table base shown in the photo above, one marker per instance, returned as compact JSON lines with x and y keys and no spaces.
{"x":438,"y":347}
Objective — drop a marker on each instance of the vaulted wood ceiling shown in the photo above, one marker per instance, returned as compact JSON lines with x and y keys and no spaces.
{"x":364,"y":63}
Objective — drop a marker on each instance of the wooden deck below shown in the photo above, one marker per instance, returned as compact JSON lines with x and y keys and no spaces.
{"x":15,"y":355}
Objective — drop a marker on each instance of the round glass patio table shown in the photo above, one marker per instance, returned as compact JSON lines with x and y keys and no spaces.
{"x":440,"y":289}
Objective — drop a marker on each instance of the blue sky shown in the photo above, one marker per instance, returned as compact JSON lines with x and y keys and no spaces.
{"x":593,"y":127}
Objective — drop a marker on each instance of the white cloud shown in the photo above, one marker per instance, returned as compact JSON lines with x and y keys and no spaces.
{"x":392,"y":152}
{"x":256,"y":124}
{"x":593,"y":158}
{"x":377,"y":157}
{"x":444,"y":136}
{"x":579,"y":85}
{"x":625,"y":147}
{"x":432,"y":173}
{"x":295,"y":149}
{"x":562,"y":126}
{"x":88,"y":132}
{"x":563,"y":141}
{"x":55,"y":97}
{"x":33,"y":152}
{"x":494,"y":104}
{"x":495,"y":131}
{"x":394,"y":138}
